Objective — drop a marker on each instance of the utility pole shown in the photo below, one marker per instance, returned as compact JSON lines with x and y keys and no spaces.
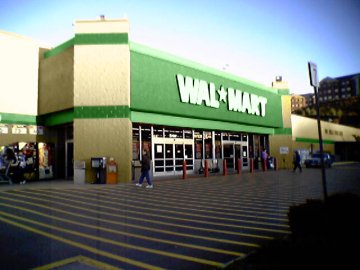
{"x":314,"y":82}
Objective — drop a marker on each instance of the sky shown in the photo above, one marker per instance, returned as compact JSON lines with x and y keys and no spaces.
{"x":254,"y":39}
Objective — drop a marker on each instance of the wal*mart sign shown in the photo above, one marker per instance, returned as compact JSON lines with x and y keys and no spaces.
{"x":197,"y":92}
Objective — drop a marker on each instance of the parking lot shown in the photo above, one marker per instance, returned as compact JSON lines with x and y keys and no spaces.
{"x":197,"y":223}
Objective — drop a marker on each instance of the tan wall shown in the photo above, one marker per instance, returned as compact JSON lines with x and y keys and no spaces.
{"x":277,"y":141}
{"x":102,"y":26}
{"x":303,"y":127}
{"x":286,"y":111}
{"x":19,"y":74}
{"x":102,"y":78}
{"x":102,"y":75}
{"x":56,"y":82}
{"x":7,"y":139}
{"x":104,"y":137}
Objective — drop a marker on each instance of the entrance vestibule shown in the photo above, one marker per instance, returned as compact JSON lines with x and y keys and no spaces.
{"x":169,"y":155}
{"x":169,"y":147}
{"x":234,"y":151}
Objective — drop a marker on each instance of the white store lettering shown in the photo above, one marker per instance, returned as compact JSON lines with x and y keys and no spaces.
{"x":197,"y":92}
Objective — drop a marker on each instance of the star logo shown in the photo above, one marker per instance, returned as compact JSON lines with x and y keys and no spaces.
{"x":222,"y":93}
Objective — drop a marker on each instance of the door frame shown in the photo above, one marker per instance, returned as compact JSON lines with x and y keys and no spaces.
{"x":173,"y":142}
{"x":67,"y":142}
{"x":245,"y":159}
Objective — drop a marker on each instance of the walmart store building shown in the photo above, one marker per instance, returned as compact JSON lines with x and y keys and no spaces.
{"x":100,"y":95}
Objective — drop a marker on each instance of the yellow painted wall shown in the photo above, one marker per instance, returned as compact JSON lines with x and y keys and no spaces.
{"x":102,"y":26}
{"x":102,"y":75}
{"x":277,"y":141}
{"x":19,"y":74}
{"x":286,"y":110}
{"x":304,"y":127}
{"x":56,"y":82}
{"x":104,"y":137}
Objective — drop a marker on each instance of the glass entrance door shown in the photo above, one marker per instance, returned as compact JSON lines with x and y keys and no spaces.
{"x":229,"y":155}
{"x":233,"y":151}
{"x":241,"y":151}
{"x":169,"y":156}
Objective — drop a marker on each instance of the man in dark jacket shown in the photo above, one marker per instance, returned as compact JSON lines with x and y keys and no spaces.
{"x":297,"y":161}
{"x":145,"y":171}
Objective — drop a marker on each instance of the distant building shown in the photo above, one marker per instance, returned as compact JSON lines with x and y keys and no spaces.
{"x":339,"y":88}
{"x":309,"y":99}
{"x":297,"y":102}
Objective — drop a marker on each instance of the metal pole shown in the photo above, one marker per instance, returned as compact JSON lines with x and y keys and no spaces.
{"x":323,"y":173}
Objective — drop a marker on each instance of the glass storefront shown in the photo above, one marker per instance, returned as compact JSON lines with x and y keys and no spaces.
{"x":169,"y":147}
{"x":34,"y":160}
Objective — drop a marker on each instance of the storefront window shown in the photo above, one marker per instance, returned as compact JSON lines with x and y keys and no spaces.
{"x":217,"y":145}
{"x":208,"y":144}
{"x":244,"y":137}
{"x":225,"y":136}
{"x":25,"y":153}
{"x":188,"y":134}
{"x":198,"y":144}
{"x":146,"y":139}
{"x":234,"y":136}
{"x":158,"y":132}
{"x":136,"y":142}
{"x":174,"y":133}
{"x":188,"y":151}
{"x":45,"y":161}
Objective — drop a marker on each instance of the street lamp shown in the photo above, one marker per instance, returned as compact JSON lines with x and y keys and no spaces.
{"x":315,"y":83}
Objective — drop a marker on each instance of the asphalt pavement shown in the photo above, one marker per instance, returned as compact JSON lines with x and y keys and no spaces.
{"x":196,"y":223}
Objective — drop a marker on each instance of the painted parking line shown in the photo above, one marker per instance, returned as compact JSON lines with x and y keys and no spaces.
{"x":103,"y":240}
{"x":178,"y":204}
{"x":100,"y":228}
{"x":77,"y":261}
{"x":132,"y":204}
{"x":76,"y":244}
{"x":174,"y":218}
{"x":245,"y":203}
{"x":145,"y":228}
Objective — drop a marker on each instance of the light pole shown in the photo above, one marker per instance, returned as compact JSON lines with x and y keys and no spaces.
{"x":314,"y":82}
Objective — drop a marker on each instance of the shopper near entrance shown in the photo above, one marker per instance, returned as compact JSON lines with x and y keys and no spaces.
{"x":145,"y":171}
{"x":16,"y":172}
{"x":297,"y":161}
{"x":264,"y":158}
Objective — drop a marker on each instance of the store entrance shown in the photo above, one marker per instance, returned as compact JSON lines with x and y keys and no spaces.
{"x":69,"y":162}
{"x":233,"y":151}
{"x":169,"y":155}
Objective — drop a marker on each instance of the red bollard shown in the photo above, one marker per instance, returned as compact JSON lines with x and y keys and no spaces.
{"x":184,"y":170}
{"x":206,"y":169}
{"x":251,"y":165}
{"x":239,"y":166}
{"x":224,"y":167}
{"x":265,"y":165}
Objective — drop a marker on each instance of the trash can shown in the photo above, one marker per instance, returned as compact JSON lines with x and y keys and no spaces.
{"x":79,"y":172}
{"x":111,"y":172}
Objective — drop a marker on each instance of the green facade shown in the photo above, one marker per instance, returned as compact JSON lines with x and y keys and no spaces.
{"x":155,"y":91}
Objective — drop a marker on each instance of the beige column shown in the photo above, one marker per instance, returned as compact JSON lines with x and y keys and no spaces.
{"x":102,"y":95}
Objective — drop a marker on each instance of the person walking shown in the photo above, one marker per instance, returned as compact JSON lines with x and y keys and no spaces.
{"x":297,"y":160}
{"x":145,"y":171}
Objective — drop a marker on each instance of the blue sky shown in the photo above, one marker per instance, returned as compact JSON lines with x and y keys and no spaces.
{"x":254,"y":39}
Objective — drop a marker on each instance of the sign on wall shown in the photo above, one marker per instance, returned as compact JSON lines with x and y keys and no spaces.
{"x":169,"y":87}
{"x":4,"y":129}
{"x":199,"y":92}
{"x":284,"y":150}
{"x":19,"y":129}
